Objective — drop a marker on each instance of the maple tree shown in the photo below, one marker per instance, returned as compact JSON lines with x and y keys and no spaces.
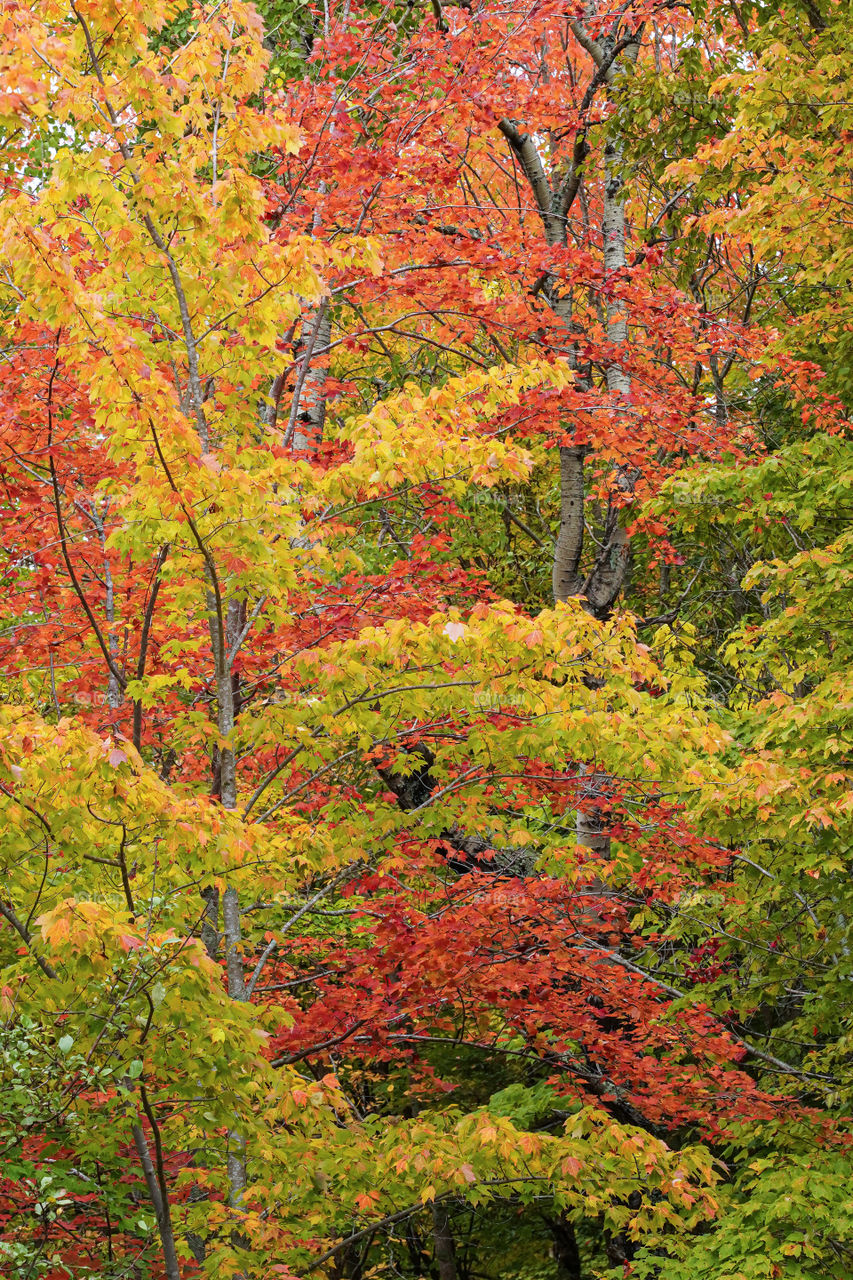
{"x":423,"y":771}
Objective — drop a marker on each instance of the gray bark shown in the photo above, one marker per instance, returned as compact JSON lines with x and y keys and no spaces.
{"x":224,"y":640}
{"x":236,"y":1157}
{"x":233,"y":938}
{"x":590,"y":826}
{"x":308,"y":408}
{"x":210,"y":921}
{"x":114,"y":692}
{"x":613,"y":230}
{"x":445,"y":1253}
{"x":553,"y":206}
{"x":161,"y":1206}
{"x":565,"y":574}
{"x":553,"y":203}
{"x":609,"y":572}
{"x":221,"y":639}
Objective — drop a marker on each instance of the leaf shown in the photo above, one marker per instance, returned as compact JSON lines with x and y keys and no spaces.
{"x":454,"y":631}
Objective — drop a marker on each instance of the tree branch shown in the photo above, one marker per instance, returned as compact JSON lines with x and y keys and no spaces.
{"x":8,"y":913}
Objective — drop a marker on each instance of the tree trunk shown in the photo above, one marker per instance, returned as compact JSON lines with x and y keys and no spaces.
{"x":308,"y":411}
{"x":567,"y":553}
{"x":566,"y":1253}
{"x":553,"y":203}
{"x":161,"y":1205}
{"x":308,"y":408}
{"x":210,"y":921}
{"x":591,"y":827}
{"x":613,"y":232}
{"x":445,"y":1252}
{"x":224,"y":640}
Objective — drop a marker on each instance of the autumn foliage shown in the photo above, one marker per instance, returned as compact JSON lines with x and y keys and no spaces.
{"x":424,"y":467}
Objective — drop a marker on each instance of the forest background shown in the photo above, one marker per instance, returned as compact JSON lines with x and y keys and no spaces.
{"x":426,"y":483}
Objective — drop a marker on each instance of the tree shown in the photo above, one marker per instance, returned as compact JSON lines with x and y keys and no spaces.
{"x":346,"y":902}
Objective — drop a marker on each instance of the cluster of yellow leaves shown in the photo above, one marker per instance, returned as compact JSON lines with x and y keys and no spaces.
{"x":787,"y":155}
{"x":371,"y":1167}
{"x":443,"y":433}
